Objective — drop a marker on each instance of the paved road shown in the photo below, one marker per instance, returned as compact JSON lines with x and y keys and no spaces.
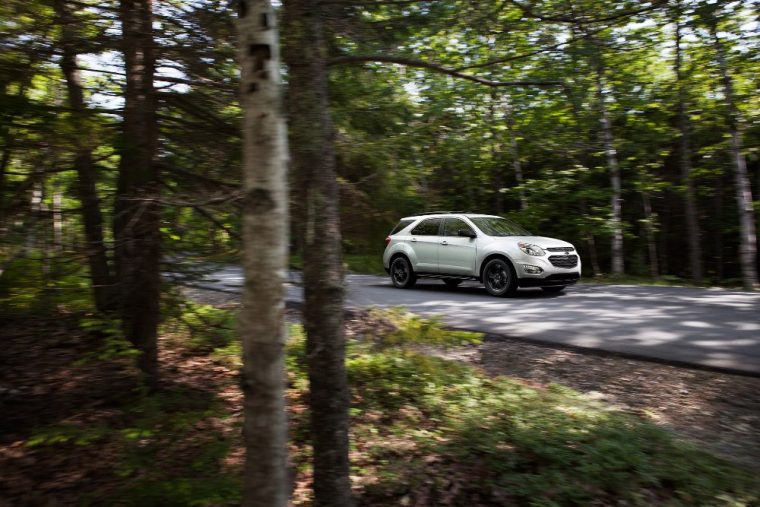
{"x":709,"y":327}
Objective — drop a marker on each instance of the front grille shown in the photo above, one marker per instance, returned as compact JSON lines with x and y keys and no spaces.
{"x":564,"y":261}
{"x":561,"y":249}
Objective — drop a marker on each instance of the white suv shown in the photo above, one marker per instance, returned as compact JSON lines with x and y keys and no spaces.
{"x":499,"y":253}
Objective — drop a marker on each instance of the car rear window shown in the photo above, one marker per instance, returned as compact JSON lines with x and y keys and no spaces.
{"x":400,"y":226}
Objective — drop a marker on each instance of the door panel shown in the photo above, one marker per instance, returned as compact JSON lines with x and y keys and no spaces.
{"x":424,"y":241}
{"x":456,"y":254}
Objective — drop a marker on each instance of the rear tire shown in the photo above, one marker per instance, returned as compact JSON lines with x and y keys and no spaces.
{"x":452,"y":282}
{"x":499,"y":278}
{"x":402,"y":274}
{"x":554,"y":289}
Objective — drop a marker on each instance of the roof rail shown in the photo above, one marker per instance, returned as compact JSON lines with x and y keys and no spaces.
{"x":441,"y":212}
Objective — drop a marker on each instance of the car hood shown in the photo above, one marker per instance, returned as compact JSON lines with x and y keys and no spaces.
{"x":541,"y":241}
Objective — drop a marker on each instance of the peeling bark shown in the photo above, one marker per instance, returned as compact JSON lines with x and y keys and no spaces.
{"x":265,"y":253}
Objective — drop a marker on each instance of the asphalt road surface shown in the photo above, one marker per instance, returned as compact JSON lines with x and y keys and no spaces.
{"x":709,"y":327}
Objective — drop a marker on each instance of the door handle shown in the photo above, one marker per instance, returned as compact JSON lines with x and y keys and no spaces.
{"x":414,"y":239}
{"x":444,"y":242}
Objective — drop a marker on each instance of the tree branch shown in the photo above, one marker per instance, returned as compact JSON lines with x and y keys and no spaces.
{"x":409,"y":62}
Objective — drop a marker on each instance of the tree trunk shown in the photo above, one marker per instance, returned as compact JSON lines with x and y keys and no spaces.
{"x":265,"y":254}
{"x":748,"y":240}
{"x":590,"y":241}
{"x":515,"y":152}
{"x":612,"y":165}
{"x":313,"y":158}
{"x":651,"y":242}
{"x":692,"y":222}
{"x":496,"y":171}
{"x":5,"y":160}
{"x":137,"y":212}
{"x":100,"y":272}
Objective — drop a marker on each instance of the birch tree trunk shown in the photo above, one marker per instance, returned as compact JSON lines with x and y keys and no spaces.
{"x":496,"y":170}
{"x":313,"y":156}
{"x":137,"y":213}
{"x":515,"y":152}
{"x":265,"y":253}
{"x":692,"y":223}
{"x":612,"y":164}
{"x":92,"y":218}
{"x":748,"y":240}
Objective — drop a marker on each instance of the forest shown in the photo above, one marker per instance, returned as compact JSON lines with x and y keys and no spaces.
{"x":145,"y":143}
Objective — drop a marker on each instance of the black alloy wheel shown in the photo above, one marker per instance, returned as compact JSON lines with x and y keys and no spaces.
{"x":499,"y":278}
{"x":402,"y":274}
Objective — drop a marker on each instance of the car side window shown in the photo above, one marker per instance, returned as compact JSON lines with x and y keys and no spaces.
{"x":452,"y":226}
{"x":428,"y":227}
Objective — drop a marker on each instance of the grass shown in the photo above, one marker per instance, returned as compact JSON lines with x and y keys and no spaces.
{"x":425,"y":431}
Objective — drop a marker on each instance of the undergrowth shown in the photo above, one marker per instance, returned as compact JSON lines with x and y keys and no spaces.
{"x":425,"y":431}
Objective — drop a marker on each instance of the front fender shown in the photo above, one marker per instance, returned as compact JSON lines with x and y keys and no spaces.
{"x":496,"y":248}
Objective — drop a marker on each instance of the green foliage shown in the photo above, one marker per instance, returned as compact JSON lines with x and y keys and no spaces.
{"x":66,"y":434}
{"x":113,"y":344}
{"x":163,"y":424}
{"x":36,"y":284}
{"x":371,"y":264}
{"x":411,"y":329}
{"x":536,"y":447}
{"x":184,"y":491}
{"x":367,"y":264}
{"x":203,"y":328}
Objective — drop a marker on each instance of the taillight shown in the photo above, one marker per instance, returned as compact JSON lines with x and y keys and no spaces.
{"x":387,"y":240}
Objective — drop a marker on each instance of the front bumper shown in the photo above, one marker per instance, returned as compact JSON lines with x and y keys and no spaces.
{"x":562,"y":271}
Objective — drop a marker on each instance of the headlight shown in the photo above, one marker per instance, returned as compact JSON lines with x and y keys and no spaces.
{"x":531,"y":249}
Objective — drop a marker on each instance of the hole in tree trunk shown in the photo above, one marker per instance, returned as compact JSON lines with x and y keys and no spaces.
{"x":264,"y":20}
{"x":242,"y":8}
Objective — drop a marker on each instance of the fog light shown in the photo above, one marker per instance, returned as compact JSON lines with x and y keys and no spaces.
{"x":532,"y":270}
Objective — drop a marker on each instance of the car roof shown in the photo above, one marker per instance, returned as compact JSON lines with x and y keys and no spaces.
{"x":447,"y":214}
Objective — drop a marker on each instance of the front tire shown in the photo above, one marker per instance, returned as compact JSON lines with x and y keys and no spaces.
{"x":553,"y":289}
{"x":402,"y":274}
{"x":499,"y":278}
{"x":452,"y":282}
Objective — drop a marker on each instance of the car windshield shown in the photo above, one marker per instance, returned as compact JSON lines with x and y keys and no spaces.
{"x":494,"y":226}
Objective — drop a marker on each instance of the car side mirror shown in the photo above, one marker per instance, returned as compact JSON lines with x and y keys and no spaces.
{"x":467,"y":234}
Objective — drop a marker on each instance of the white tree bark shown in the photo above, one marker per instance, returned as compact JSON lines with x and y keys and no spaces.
{"x":748,"y":242}
{"x":265,"y":248}
{"x":515,"y":152}
{"x":612,"y":163}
